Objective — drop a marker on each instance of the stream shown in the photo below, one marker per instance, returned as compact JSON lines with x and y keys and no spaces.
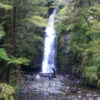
{"x":59,"y":88}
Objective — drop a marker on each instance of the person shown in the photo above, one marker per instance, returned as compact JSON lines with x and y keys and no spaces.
{"x":50,"y":76}
{"x":54,"y":71}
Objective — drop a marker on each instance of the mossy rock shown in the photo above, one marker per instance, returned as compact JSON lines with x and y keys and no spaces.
{"x":6,"y":92}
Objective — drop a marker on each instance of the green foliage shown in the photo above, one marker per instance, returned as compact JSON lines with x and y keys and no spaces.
{"x":82,"y":3}
{"x":6,"y":92}
{"x":63,"y":11}
{"x":83,"y":24}
{"x":37,"y":2}
{"x":94,"y":29}
{"x":95,"y":9}
{"x":38,"y":21}
{"x":90,"y":75}
{"x":2,"y":33}
{"x":17,"y":89}
{"x":84,"y":48}
{"x":12,"y":60}
{"x":70,"y":27}
{"x":60,"y":57}
{"x":38,"y":39}
{"x":62,"y":15}
{"x":61,"y":21}
{"x":29,"y":38}
{"x":5,"y":6}
{"x":3,"y":55}
{"x":18,"y":61}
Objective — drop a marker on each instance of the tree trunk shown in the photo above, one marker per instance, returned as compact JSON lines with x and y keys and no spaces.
{"x":10,"y":44}
{"x":11,"y":36}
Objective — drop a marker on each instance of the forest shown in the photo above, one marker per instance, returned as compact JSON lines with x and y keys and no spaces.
{"x":22,"y":25}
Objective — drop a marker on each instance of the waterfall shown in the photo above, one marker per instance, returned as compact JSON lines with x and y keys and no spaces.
{"x":49,"y":54}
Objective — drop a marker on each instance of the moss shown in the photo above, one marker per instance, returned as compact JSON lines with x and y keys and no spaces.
{"x":7,"y":91}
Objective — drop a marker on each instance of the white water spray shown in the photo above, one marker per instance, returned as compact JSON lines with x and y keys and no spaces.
{"x":49,"y":46}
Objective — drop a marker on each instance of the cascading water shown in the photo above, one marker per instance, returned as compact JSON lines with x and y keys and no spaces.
{"x":48,"y":63}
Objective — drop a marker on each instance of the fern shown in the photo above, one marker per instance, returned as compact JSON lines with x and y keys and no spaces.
{"x":18,"y":61}
{"x":2,"y":33}
{"x":5,"y":6}
{"x":3,"y":55}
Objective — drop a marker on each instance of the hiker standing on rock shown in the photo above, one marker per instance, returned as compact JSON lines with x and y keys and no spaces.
{"x":54,"y":71}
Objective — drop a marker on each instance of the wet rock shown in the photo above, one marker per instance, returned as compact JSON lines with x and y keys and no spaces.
{"x":79,"y":97}
{"x":69,"y":98}
{"x":42,"y":84}
{"x":97,"y":98}
{"x":79,"y":89}
{"x":74,"y":89}
{"x":79,"y":92}
{"x":37,"y":77}
{"x":67,"y":88}
{"x":84,"y":98}
{"x":73,"y":97}
{"x":62,"y":92}
{"x":91,"y":98}
{"x":95,"y":95}
{"x":55,"y":89}
{"x":46,"y":94}
{"x":88,"y":95}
